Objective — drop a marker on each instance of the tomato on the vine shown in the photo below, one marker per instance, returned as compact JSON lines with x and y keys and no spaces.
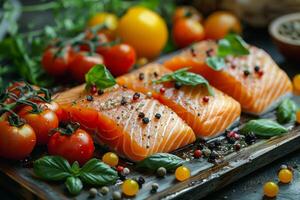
{"x":110,"y":20}
{"x":82,"y":62}
{"x":119,"y":59}
{"x":42,"y":122}
{"x":56,"y":61}
{"x":76,"y":146}
{"x":16,"y":142}
{"x":100,"y":39}
{"x":53,"y":106}
{"x":183,"y":12}
{"x":187,"y":31}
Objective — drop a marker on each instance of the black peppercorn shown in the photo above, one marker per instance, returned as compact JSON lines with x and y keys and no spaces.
{"x":146,"y":120}
{"x":155,"y":74}
{"x":89,"y":98}
{"x":177,"y":85}
{"x":136,"y":96}
{"x":246,"y":72}
{"x":256,"y":68}
{"x":123,"y":101}
{"x":100,"y":92}
{"x":141,"y":115}
{"x":140,"y":180}
{"x":141,"y":76}
{"x":250,"y":138}
{"x":157,"y":116}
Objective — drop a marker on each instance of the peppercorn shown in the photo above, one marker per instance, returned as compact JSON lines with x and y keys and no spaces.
{"x":123,"y":101}
{"x":126,"y":171}
{"x":157,"y":116}
{"x":140,"y":180}
{"x":197,"y":153}
{"x":104,"y":190}
{"x":93,"y":192}
{"x":250,"y":138}
{"x":205,"y":99}
{"x":212,"y":157}
{"x":141,"y":76}
{"x":200,"y":146}
{"x":211,"y":146}
{"x":230,"y":134}
{"x":246,"y":73}
{"x":116,"y":195}
{"x":154,"y":187}
{"x":177,"y":85}
{"x":136,"y":96}
{"x":237,"y":147}
{"x":100,"y":92}
{"x":256,"y":68}
{"x":146,"y":120}
{"x":236,"y":136}
{"x":141,"y":115}
{"x":161,"y":172}
{"x":120,"y":168}
{"x":217,"y":143}
{"x":260,"y":73}
{"x":162,"y":90}
{"x":93,"y":89}
{"x":89,"y":98}
{"x":155,"y":74}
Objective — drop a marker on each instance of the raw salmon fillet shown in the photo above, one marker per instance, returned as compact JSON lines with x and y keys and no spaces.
{"x":116,"y":119}
{"x":258,"y":92}
{"x":207,"y":119}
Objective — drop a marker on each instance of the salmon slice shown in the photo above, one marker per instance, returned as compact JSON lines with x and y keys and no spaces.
{"x":258,"y":92}
{"x":207,"y":119}
{"x":117,"y":120}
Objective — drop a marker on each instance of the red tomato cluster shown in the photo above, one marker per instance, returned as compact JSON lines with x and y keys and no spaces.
{"x":118,"y":58}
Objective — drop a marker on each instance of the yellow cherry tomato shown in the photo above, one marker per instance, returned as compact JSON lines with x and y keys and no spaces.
{"x":110,"y":159}
{"x":182,"y":173}
{"x":285,"y":176}
{"x":130,"y":187}
{"x":271,"y":189}
{"x":296,"y":82}
{"x":220,"y":23}
{"x":110,"y":20}
{"x":298,"y":116}
{"x":145,"y":30}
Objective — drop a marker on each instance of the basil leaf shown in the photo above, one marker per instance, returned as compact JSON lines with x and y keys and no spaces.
{"x":95,"y":172}
{"x":263,"y":127}
{"x":232,"y":44}
{"x":75,"y":168}
{"x":286,"y":111}
{"x":52,"y":168}
{"x":100,"y":77}
{"x":168,"y":161}
{"x":74,"y":185}
{"x":215,"y":62}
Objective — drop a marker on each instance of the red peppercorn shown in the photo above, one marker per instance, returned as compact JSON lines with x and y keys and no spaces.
{"x":236,"y":136}
{"x":231,"y":134}
{"x":205,"y":99}
{"x":162,"y":90}
{"x":120,"y":168}
{"x":260,"y":73}
{"x":197,"y":153}
{"x":94,"y":89}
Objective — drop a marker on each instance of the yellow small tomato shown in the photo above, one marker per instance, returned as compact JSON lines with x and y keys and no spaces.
{"x":110,"y":159}
{"x":130,"y":187}
{"x":285,"y":176}
{"x":296,"y":83}
{"x":298,"y":116}
{"x":182,"y":173}
{"x":110,"y":20}
{"x":144,"y":30}
{"x":271,"y":189}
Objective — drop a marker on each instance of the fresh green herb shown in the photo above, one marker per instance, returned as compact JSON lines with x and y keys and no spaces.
{"x":286,"y":111}
{"x":94,"y":172}
{"x":155,"y":161}
{"x":263,"y":127}
{"x":185,"y":78}
{"x":100,"y":77}
{"x":231,"y":44}
{"x":215,"y":62}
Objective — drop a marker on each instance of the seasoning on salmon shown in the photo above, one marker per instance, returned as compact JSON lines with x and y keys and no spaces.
{"x":254,"y":80}
{"x":207,"y":115}
{"x":122,"y":126}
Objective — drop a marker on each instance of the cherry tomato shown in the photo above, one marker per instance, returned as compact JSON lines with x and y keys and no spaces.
{"x":119,"y":59}
{"x":42,"y":123}
{"x":53,"y":106}
{"x":55,"y":61}
{"x":220,"y":23}
{"x":16,"y":142}
{"x":109,"y":19}
{"x":82,"y":62}
{"x":144,"y":30}
{"x":184,"y":12}
{"x":101,"y":38}
{"x":78,"y":146}
{"x":187,"y":31}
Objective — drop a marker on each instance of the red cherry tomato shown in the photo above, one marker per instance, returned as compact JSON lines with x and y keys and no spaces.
{"x":53,"y":106}
{"x":42,"y":123}
{"x":119,"y":59}
{"x":101,"y":39}
{"x":82,"y":62}
{"x":56,"y":62}
{"x":78,"y":146}
{"x":187,"y":31}
{"x":183,"y":12}
{"x":16,"y":142}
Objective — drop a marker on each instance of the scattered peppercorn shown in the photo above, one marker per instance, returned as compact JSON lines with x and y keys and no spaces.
{"x":116,"y":195}
{"x":126,"y":171}
{"x":93,"y":192}
{"x":200,"y":146}
{"x":93,"y":89}
{"x":140,"y":180}
{"x":162,"y":90}
{"x":211,"y":146}
{"x":146,"y":120}
{"x":141,"y":115}
{"x":256,"y":68}
{"x":205,"y":99}
{"x":161,"y":172}
{"x":89,"y":98}
{"x":260,"y":73}
{"x":136,"y":96}
{"x":104,"y":190}
{"x":100,"y":92}
{"x":213,"y":156}
{"x":246,"y":73}
{"x":154,"y":187}
{"x":177,"y":85}
{"x":141,"y":76}
{"x":236,"y":136}
{"x":237,"y":146}
{"x":250,"y":138}
{"x":123,"y":101}
{"x":155,"y":74}
{"x":120,"y":168}
{"x":197,"y":153}
{"x":157,"y":116}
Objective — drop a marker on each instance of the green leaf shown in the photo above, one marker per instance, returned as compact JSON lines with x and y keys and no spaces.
{"x":263,"y":127}
{"x":232,"y":44}
{"x":53,"y":168}
{"x":75,"y":168}
{"x":215,"y":62}
{"x":100,"y":77}
{"x":185,"y":78}
{"x":166,"y":160}
{"x":74,"y":185}
{"x":95,"y":172}
{"x":286,"y":111}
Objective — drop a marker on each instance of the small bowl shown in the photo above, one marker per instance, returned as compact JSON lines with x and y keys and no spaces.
{"x":289,"y":47}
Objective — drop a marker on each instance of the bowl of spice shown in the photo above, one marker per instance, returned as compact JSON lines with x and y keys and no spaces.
{"x":285,"y":32}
